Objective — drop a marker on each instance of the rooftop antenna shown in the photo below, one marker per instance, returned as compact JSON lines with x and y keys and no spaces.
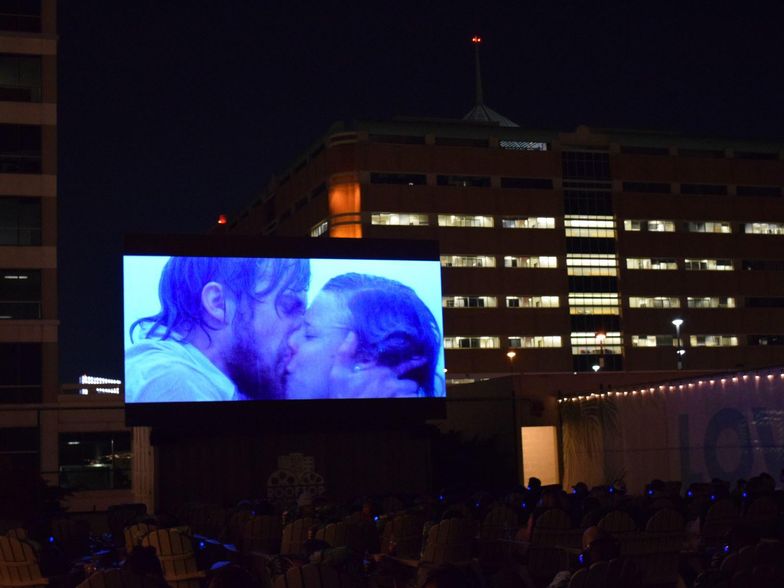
{"x":477,"y":40}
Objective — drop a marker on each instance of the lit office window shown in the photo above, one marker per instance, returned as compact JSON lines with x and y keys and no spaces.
{"x":522,"y":145}
{"x":710,"y":302}
{"x":594,"y":303}
{"x":467,"y":261}
{"x":713,"y":340}
{"x":319,"y":229}
{"x":469,"y":301}
{"x":653,"y":226}
{"x":532,"y":302}
{"x":465,"y":220}
{"x":398,"y":219}
{"x":600,"y":264}
{"x":592,"y":343}
{"x":717,"y":265}
{"x":709,"y":227}
{"x":651,"y":263}
{"x":589,"y":226}
{"x":652,"y":340}
{"x":535,"y":342}
{"x":538,"y":261}
{"x":528,"y":222}
{"x":764,"y":228}
{"x":472,"y":343}
{"x":654,"y":302}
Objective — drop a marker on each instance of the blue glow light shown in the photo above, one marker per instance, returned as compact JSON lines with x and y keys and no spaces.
{"x":202,"y":545}
{"x":713,"y":498}
{"x":745,"y":494}
{"x":690,"y":494}
{"x":51,"y":538}
{"x":726,"y":549}
{"x":375,"y":518}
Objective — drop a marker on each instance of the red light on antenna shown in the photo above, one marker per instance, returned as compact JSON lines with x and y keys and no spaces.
{"x":476,"y":39}
{"x":222,"y":220}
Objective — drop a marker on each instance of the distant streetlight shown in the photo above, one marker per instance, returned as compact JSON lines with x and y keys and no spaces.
{"x":596,"y":367}
{"x":511,"y":355}
{"x":679,"y":350}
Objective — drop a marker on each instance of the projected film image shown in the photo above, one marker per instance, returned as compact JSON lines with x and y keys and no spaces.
{"x":213,"y":329}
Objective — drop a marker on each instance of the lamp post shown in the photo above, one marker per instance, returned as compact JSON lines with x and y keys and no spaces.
{"x":600,"y":339}
{"x":511,"y":355}
{"x":679,"y":350}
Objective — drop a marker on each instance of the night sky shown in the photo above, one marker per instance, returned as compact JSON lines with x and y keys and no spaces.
{"x":171,"y":112}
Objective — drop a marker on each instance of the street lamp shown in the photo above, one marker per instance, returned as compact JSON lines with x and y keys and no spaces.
{"x":679,"y":351}
{"x":511,"y":355}
{"x":600,"y":339}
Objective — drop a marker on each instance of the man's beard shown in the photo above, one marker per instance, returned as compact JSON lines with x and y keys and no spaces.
{"x":256,"y":376}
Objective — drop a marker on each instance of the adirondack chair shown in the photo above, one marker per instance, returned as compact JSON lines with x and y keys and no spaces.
{"x":19,"y":565}
{"x":261,"y":534}
{"x":551,"y":533}
{"x":295,"y":534}
{"x":404,"y":534}
{"x":450,"y":541}
{"x":120,"y":516}
{"x":499,"y":526}
{"x":134,"y":534}
{"x":235,"y":527}
{"x":762,"y":514}
{"x":342,"y":534}
{"x":175,"y":552}
{"x":315,"y":576}
{"x":721,"y":517}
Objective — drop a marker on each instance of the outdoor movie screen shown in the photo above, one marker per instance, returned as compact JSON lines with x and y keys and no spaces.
{"x":218,"y":329}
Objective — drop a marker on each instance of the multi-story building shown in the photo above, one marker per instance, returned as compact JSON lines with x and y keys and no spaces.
{"x":28,"y":222}
{"x":73,"y":436}
{"x":576,"y":250}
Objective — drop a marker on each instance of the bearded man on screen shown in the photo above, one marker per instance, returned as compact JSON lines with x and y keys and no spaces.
{"x":221,"y":333}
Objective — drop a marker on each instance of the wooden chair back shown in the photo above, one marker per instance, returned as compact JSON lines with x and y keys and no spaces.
{"x":499,"y":523}
{"x":120,"y":516}
{"x":404,"y":532}
{"x":295,"y":534}
{"x":134,"y":533}
{"x":551,"y":533}
{"x":19,"y":564}
{"x":175,"y":552}
{"x":341,"y":534}
{"x":450,"y":541}
{"x":262,"y":534}
{"x":17,"y":533}
{"x":720,"y":518}
{"x":665,"y":520}
{"x":616,"y":522}
{"x":235,"y":527}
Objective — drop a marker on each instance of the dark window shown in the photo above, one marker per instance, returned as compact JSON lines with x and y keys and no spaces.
{"x":527,"y":183}
{"x":647,"y":187}
{"x":759,"y":191}
{"x":406,"y":179}
{"x":95,"y":461}
{"x":582,"y":165}
{"x":608,"y":362}
{"x":766,"y":302}
{"x":709,"y":153}
{"x":20,"y":373}
{"x":284,"y":215}
{"x":20,"y":294}
{"x":461,"y":142}
{"x":586,"y":323}
{"x":20,"y":15}
{"x":464,"y":181}
{"x":642,"y":150}
{"x":20,"y":149}
{"x":590,"y":202}
{"x":20,"y":78}
{"x":590,"y":245}
{"x":20,"y":221}
{"x":19,"y":448}
{"x":755,"y":155}
{"x":592,"y":284}
{"x":763,"y":265}
{"x":766,"y":340}
{"x":397,"y":139}
{"x":299,"y":204}
{"x":704,"y":189}
{"x":318,"y":191}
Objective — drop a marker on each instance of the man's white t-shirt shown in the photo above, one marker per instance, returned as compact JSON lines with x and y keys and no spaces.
{"x":169,"y":371}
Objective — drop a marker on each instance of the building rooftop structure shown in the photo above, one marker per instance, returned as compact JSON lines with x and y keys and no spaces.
{"x":577,"y":249}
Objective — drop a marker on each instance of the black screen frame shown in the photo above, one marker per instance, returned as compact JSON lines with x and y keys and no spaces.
{"x":283,"y":414}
